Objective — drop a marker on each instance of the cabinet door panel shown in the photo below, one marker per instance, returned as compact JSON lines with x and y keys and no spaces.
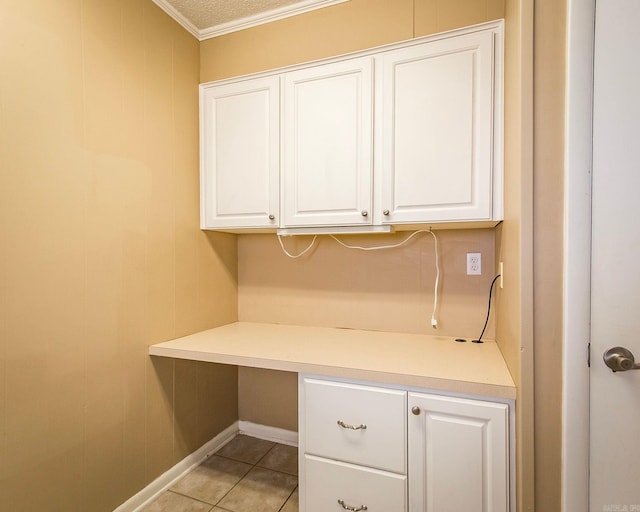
{"x":437,"y":116}
{"x":240,"y":154}
{"x":458,"y":455}
{"x":328,"y":143}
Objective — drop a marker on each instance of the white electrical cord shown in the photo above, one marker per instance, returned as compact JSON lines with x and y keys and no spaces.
{"x":300,"y":254}
{"x":380,"y":247}
{"x":434,"y":320}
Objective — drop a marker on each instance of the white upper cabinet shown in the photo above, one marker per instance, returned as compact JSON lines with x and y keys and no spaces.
{"x":405,"y":134}
{"x":328,"y":135}
{"x":437,"y":130}
{"x":240,"y":154}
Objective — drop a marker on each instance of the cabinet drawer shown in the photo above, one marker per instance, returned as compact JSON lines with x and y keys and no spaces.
{"x":330,"y":481}
{"x":357,"y":424}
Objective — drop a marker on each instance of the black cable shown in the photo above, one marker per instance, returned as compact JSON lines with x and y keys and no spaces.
{"x":479,"y":340}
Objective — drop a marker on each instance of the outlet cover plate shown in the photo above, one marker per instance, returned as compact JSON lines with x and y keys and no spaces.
{"x":474,"y":264}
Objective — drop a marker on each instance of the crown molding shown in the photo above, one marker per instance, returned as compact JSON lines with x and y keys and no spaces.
{"x":179,"y":17}
{"x":266,"y":17}
{"x":247,"y":22}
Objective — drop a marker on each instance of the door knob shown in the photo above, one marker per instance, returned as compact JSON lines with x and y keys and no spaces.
{"x":620,"y":359}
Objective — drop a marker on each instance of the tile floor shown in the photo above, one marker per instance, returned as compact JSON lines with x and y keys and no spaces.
{"x":245,"y":475}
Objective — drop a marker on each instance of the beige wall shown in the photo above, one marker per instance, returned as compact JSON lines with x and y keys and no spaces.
{"x":530,"y":241}
{"x":268,"y":397}
{"x":390,"y":290}
{"x":548,"y":186}
{"x":433,"y":16}
{"x":347,"y":27}
{"x":101,"y":255}
{"x":514,"y":330}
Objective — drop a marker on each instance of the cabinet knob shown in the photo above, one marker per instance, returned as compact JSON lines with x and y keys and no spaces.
{"x":272,"y":217}
{"x":386,"y":212}
{"x":415,"y":410}
{"x":364,"y":213}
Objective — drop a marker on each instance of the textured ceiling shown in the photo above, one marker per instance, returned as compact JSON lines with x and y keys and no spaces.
{"x":208,"y":13}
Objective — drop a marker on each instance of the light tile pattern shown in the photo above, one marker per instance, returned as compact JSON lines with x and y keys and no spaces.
{"x":245,"y":475}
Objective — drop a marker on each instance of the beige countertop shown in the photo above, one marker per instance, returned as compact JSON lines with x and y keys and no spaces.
{"x":425,"y":361}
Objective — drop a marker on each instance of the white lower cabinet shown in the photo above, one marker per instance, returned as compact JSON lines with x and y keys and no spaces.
{"x":392,"y":449}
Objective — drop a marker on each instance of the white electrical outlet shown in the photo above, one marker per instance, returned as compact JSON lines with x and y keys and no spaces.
{"x":474,"y":264}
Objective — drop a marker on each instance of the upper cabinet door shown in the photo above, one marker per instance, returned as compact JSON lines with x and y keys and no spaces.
{"x":328,"y":132}
{"x":437,"y":126}
{"x":240,"y":154}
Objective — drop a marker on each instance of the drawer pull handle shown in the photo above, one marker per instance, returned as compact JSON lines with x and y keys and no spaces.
{"x":352,"y":509}
{"x":352,"y":427}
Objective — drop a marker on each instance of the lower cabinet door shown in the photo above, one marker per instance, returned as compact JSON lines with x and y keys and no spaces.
{"x":333,"y":486}
{"x":458,"y":454}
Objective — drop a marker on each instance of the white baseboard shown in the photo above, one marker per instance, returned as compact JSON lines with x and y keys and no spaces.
{"x":190,"y":462}
{"x":171,"y":476}
{"x":278,"y":435}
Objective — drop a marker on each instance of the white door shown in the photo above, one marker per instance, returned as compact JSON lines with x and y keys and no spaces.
{"x":328,"y":137}
{"x":240,"y":154}
{"x":615,"y":283}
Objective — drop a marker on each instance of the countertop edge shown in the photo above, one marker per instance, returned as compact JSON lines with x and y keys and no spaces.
{"x":387,"y":377}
